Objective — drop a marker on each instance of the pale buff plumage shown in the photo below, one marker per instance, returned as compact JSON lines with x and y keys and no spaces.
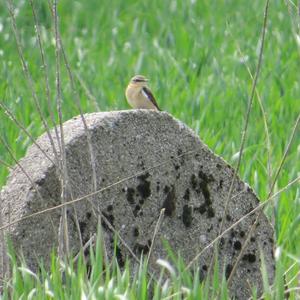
{"x":139,"y":95}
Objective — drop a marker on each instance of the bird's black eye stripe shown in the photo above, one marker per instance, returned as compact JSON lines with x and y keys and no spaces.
{"x":138,"y":80}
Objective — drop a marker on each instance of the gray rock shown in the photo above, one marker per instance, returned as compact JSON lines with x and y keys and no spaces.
{"x":174,"y":170}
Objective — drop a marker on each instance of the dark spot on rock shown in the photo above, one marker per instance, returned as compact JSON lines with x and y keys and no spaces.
{"x":210,"y":228}
{"x":179,"y":152}
{"x":228,"y":270}
{"x":204,"y":267}
{"x":222,"y":242}
{"x":242,"y":234}
{"x":141,"y":201}
{"x":187,"y":215}
{"x":119,"y":257}
{"x":88,"y":215}
{"x":130,"y":195}
{"x":232,"y":233}
{"x":140,"y":248}
{"x":219,"y":166}
{"x":205,"y":192}
{"x":157,"y":186}
{"x":144,"y":186}
{"x":194,"y":181}
{"x":205,"y":180}
{"x":141,"y":163}
{"x":252,"y":239}
{"x":219,"y":220}
{"x":40,"y":181}
{"x":170,"y":203}
{"x":110,"y":218}
{"x":228,"y":217}
{"x":210,"y":212}
{"x":271,"y":240}
{"x":201,"y":209}
{"x":110,"y":208}
{"x":86,"y":252}
{"x":176,"y":167}
{"x":172,"y":157}
{"x":248,"y":271}
{"x":204,"y":177}
{"x":251,"y":258}
{"x":136,"y":232}
{"x":221,"y":183}
{"x":237,"y":245}
{"x":166,"y":189}
{"x":149,"y":243}
{"x":144,"y":176}
{"x":186,"y":195}
{"x":137,"y":208}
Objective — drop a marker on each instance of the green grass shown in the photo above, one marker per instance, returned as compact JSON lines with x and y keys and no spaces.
{"x":107,"y":281}
{"x":191,"y":54}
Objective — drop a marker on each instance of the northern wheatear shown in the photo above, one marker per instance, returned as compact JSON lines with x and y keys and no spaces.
{"x":139,"y":95}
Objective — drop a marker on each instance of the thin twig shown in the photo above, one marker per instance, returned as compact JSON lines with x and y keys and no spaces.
{"x":290,"y":268}
{"x":86,"y":130}
{"x":250,"y":103}
{"x":4,"y":260}
{"x":63,"y":231}
{"x":285,"y":154}
{"x":157,"y":226}
{"x":45,"y":72}
{"x":268,"y":139}
{"x":27,"y":73}
{"x":244,"y":132}
{"x":297,"y":276}
{"x":77,"y":101}
{"x":90,"y":242}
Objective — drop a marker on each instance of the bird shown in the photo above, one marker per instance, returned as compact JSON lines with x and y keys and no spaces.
{"x":139,"y":95}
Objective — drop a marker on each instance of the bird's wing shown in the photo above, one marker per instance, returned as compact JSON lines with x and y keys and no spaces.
{"x":147,"y":93}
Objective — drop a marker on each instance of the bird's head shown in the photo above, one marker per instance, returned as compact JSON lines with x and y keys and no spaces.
{"x":139,"y":80}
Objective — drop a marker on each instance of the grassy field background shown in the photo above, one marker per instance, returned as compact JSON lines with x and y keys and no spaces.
{"x":196,"y":54}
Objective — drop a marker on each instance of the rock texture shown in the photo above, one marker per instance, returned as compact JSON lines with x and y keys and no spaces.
{"x":174,"y":170}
